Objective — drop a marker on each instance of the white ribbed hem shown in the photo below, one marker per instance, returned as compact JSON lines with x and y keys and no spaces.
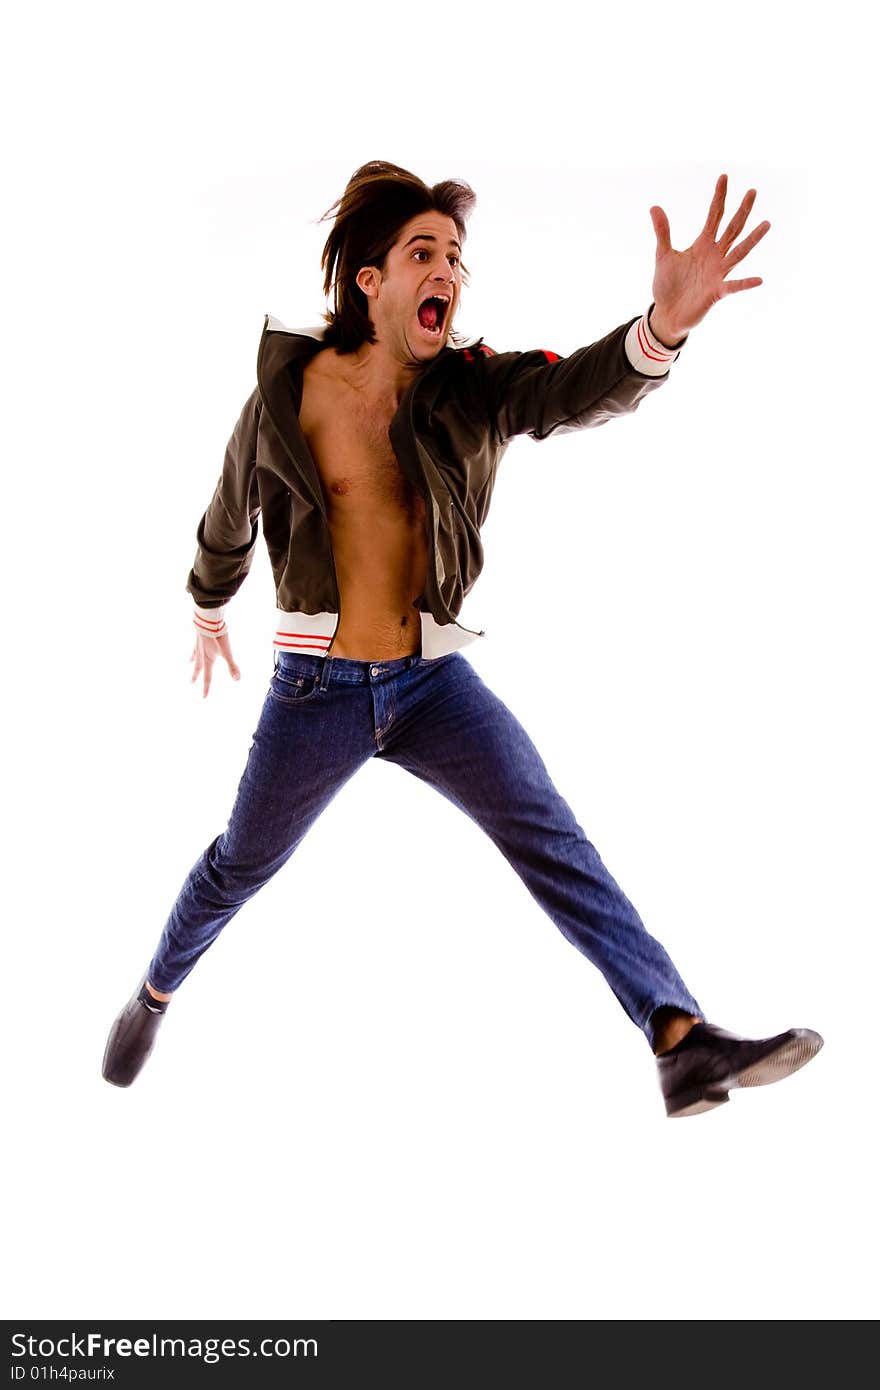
{"x":645,"y":351}
{"x":312,"y":633}
{"x":211,"y":620}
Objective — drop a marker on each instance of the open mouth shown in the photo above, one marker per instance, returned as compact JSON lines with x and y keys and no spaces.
{"x":432,"y":314}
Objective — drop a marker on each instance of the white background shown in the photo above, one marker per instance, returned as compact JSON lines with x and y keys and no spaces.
{"x":391,"y":1089}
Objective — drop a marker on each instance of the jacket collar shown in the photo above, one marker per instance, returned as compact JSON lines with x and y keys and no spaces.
{"x":280,"y":347}
{"x":274,"y":325}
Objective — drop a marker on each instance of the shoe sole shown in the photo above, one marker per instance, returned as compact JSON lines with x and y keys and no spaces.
{"x":789,"y":1057}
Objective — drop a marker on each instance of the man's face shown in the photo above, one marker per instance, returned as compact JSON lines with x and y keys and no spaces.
{"x":414,"y":302}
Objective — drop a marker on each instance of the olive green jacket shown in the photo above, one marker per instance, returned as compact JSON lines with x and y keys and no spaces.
{"x":449,"y":434}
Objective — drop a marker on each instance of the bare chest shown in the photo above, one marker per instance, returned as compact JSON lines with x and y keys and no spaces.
{"x":348,"y":438}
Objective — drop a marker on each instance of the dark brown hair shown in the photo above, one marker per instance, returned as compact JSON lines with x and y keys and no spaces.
{"x":379,"y":199}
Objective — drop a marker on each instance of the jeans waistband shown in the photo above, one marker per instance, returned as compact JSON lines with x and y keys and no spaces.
{"x":343,"y":669}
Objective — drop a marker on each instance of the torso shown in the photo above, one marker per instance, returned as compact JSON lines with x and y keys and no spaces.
{"x":377,"y":519}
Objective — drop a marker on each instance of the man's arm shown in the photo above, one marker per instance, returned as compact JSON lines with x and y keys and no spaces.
{"x":227,"y":537}
{"x":539,"y":393}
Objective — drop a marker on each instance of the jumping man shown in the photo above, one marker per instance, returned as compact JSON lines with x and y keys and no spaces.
{"x":369,"y":447}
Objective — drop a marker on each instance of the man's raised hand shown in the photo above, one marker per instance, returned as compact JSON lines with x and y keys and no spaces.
{"x":687,"y":283}
{"x":205,"y":653}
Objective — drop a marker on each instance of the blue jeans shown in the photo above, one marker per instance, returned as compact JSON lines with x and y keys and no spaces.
{"x":323,"y":718}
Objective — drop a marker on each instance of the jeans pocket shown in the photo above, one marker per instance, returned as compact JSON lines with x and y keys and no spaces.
{"x":292,"y":689}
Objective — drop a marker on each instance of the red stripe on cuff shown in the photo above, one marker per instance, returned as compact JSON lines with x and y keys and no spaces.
{"x":647,"y":350}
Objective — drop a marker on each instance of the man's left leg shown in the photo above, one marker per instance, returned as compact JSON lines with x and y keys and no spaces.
{"x":464,"y":741}
{"x":457,"y":735}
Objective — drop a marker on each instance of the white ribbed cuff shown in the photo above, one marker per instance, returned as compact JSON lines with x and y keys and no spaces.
{"x":646,"y":352}
{"x":211,"y":620}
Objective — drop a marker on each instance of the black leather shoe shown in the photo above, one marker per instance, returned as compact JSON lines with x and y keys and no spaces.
{"x":698,"y":1072}
{"x":131,"y":1041}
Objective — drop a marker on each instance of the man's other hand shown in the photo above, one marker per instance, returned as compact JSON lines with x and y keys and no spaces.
{"x":205,"y":653}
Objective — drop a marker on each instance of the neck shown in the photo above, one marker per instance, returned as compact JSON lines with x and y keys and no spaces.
{"x":378,"y":372}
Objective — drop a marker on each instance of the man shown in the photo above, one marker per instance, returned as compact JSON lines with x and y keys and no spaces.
{"x":370,"y":449}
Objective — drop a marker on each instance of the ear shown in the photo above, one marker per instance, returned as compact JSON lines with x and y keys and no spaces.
{"x":368,"y":279}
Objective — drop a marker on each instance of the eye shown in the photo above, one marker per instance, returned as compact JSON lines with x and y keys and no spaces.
{"x":421,"y":252}
{"x":453,"y":260}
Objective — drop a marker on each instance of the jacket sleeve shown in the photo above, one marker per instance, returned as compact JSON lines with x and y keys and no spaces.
{"x":539,"y":393}
{"x":227,"y":533}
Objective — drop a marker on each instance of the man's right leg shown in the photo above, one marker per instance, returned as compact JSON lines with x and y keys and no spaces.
{"x":295,"y":767}
{"x":304,"y":749}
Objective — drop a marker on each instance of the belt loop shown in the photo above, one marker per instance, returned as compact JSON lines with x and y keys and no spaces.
{"x":325,"y":672}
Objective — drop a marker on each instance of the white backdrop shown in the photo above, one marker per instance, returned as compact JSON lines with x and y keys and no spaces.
{"x":391,"y":1089}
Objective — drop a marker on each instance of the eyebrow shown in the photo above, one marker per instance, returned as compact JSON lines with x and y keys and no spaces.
{"x":428,"y":236}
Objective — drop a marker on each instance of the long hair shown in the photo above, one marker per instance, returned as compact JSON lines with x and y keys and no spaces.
{"x":379,"y":199}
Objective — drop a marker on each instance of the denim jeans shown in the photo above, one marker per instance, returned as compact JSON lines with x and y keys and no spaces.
{"x":323,"y":718}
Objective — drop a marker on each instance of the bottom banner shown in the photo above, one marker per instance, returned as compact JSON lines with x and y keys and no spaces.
{"x":348,"y":1353}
